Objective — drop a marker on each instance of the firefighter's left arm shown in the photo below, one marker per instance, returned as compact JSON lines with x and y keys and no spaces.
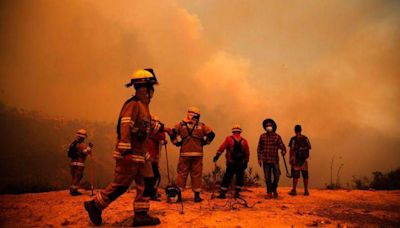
{"x":210,"y":135}
{"x":85,"y":149}
{"x":222,"y":147}
{"x":128,"y":117}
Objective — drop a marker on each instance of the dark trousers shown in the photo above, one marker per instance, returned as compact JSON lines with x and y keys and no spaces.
{"x":233,"y":169}
{"x":271,"y":169}
{"x":152,"y":183}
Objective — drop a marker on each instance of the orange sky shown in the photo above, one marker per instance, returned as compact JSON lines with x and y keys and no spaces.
{"x":330,"y":66}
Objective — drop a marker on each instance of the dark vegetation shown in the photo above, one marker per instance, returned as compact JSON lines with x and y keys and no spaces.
{"x":380,"y":181}
{"x":33,"y":149}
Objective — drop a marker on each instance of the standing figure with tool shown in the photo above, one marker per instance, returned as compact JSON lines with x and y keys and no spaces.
{"x":154,"y":144}
{"x":133,"y":129}
{"x":300,"y":148}
{"x":77,"y":152}
{"x":268,"y":158}
{"x":237,"y":158}
{"x":194,"y":135}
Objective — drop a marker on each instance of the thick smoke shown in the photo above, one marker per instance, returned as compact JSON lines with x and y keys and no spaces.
{"x":330,"y":66}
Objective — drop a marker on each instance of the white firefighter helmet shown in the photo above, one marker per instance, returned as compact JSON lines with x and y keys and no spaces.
{"x":81,"y":133}
{"x":144,"y":77}
{"x":194,"y":110}
{"x":236,"y":128}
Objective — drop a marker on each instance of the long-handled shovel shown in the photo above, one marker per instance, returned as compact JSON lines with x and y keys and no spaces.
{"x":287,"y":171}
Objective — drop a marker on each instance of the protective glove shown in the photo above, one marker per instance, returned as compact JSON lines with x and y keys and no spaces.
{"x":215,"y":159}
{"x":178,"y":144}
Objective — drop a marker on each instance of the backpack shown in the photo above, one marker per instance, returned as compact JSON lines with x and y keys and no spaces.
{"x":73,"y":153}
{"x":237,"y":154}
{"x":301,"y":154}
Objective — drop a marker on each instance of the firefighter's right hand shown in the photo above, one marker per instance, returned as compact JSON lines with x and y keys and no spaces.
{"x":260,"y":163}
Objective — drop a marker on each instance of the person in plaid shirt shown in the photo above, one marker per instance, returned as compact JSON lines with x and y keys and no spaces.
{"x":268,"y":158}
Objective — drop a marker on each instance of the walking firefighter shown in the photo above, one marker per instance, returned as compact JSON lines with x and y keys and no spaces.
{"x":133,"y":130}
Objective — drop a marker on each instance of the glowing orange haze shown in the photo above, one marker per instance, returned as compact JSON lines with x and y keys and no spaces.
{"x":332,"y":67}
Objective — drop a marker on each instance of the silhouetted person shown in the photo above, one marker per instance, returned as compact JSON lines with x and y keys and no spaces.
{"x":299,"y":154}
{"x":78,"y":151}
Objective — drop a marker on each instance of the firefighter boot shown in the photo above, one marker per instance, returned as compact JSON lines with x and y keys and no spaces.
{"x":197,"y":198}
{"x":94,"y":212}
{"x":143,"y":219}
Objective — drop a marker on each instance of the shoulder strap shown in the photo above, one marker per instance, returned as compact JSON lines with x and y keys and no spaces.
{"x":190,"y":131}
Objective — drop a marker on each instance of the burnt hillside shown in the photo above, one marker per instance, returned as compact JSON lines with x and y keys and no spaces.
{"x":33,"y":148}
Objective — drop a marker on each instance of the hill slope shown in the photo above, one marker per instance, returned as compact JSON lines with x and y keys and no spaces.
{"x":323,"y":208}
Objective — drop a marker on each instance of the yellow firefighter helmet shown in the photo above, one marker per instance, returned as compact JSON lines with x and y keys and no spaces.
{"x":194,"y":110}
{"x":81,"y":133}
{"x":236,"y":128}
{"x":143,"y":77}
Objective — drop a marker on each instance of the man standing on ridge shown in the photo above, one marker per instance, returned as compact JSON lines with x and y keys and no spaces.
{"x":194,"y":135}
{"x":237,"y":158}
{"x":133,"y":129}
{"x":268,"y":145}
{"x":300,"y":148}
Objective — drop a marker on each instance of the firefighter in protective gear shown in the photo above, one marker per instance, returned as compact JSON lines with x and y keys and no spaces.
{"x":154,"y":144}
{"x":237,"y":158}
{"x":78,"y":151}
{"x":194,"y":135}
{"x":300,"y":148}
{"x":133,"y":130}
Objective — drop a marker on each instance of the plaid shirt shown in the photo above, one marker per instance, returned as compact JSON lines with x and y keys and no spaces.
{"x":268,"y":146}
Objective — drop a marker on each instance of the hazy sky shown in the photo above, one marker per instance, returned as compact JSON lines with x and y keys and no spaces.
{"x":332,"y":66}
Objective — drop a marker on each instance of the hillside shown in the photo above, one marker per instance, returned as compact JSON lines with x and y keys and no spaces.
{"x":34,"y":146}
{"x":340,"y":208}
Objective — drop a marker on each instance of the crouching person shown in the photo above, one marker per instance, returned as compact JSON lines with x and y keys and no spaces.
{"x":268,"y":158}
{"x":300,"y":148}
{"x":237,"y":157}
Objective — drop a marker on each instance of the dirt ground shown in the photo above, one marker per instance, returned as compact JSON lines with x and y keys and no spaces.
{"x":327,"y":208}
